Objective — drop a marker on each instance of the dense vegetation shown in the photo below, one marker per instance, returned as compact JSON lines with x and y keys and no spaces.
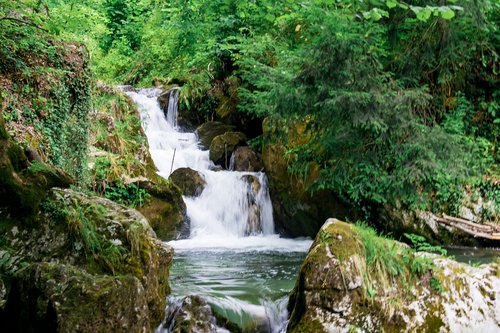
{"x":404,"y":93}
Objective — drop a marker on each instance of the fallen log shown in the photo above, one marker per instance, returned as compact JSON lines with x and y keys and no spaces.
{"x":487,"y":231}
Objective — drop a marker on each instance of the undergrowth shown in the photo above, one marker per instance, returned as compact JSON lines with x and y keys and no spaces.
{"x":392,"y":265}
{"x":89,"y":234}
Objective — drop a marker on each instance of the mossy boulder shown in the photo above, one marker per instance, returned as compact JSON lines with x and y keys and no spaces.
{"x":339,"y":290}
{"x":246,"y":159}
{"x":222,"y":147}
{"x":209,"y":130}
{"x":87,"y":265}
{"x":192,"y":315}
{"x":23,"y":185}
{"x":297,"y":211}
{"x":165,"y":209}
{"x":65,"y":298}
{"x":190,"y":181}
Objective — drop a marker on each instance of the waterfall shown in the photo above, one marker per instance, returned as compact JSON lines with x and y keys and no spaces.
{"x":232,"y":205}
{"x":173,"y":106}
{"x":230,"y":221}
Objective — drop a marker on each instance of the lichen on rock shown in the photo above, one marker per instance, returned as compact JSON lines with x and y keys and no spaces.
{"x":339,"y":289}
{"x":222,"y":147}
{"x":91,"y":263}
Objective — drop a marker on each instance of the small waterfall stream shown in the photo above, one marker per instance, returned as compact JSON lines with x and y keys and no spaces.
{"x":232,"y":240}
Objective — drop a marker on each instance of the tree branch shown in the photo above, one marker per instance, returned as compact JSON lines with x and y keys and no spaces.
{"x":22,"y":22}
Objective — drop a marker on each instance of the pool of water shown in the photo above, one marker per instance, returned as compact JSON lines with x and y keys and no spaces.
{"x":473,"y":255}
{"x":249,"y":288}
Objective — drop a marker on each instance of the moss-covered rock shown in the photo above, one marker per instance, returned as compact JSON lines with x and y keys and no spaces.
{"x":23,"y":185}
{"x":222,"y":147}
{"x":190,"y":181}
{"x":342,"y":286}
{"x":65,"y":298}
{"x":246,"y":159}
{"x":94,"y":265}
{"x":209,"y":130}
{"x":192,"y":315}
{"x":165,"y":210}
{"x":297,"y":212}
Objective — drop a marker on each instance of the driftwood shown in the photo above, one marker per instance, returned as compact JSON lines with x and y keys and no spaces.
{"x":488,"y":230}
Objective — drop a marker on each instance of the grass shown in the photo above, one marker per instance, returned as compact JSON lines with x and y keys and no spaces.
{"x":392,"y":267}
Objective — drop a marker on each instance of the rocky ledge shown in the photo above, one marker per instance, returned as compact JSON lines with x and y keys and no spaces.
{"x":353,"y":280}
{"x":84,"y":264}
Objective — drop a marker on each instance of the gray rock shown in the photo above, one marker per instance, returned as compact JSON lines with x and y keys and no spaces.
{"x":338,"y":290}
{"x":190,"y":181}
{"x":209,"y":130}
{"x":245,"y":159}
{"x":222,"y":147}
{"x":194,"y":315}
{"x":89,"y":265}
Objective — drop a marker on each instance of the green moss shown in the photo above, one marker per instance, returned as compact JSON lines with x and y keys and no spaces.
{"x":17,"y":157}
{"x":308,"y":325}
{"x":3,"y":131}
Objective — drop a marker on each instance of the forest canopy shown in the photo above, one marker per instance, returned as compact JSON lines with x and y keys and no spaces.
{"x":401,"y":98}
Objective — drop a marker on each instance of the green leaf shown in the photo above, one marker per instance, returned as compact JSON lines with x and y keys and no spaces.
{"x":447,"y":13}
{"x":391,"y":3}
{"x":424,"y":14}
{"x":375,"y":16}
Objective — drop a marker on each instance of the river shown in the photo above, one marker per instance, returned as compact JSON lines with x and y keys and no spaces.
{"x":245,"y":276}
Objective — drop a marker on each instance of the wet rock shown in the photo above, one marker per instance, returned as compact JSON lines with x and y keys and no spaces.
{"x":190,"y":181}
{"x":254,"y":225}
{"x":222,"y":147}
{"x":165,"y":209}
{"x":337,"y":289}
{"x":245,"y":159}
{"x":186,"y":119}
{"x":209,"y":130}
{"x":194,"y":315}
{"x":296,"y":211}
{"x":65,"y":298}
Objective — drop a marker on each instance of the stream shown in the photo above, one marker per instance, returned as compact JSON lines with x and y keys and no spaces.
{"x":232,"y":257}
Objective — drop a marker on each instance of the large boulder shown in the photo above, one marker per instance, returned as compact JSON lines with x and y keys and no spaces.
{"x":296,"y":210}
{"x":165,"y":209}
{"x":86,"y":264}
{"x":190,"y":181}
{"x":209,"y":130}
{"x":193,"y":315}
{"x":222,"y":147}
{"x":352,"y":278}
{"x":246,"y":159}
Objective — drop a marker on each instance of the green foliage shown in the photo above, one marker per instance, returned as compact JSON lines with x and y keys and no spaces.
{"x":405,"y":93}
{"x":82,"y":221}
{"x":129,"y":194}
{"x":420,"y":244}
{"x":390,"y":263}
{"x":47,"y":86}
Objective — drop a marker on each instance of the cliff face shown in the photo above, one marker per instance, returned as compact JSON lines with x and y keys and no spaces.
{"x":69,"y":261}
{"x":47,"y":99}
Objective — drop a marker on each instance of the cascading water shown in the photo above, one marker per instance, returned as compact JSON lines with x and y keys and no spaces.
{"x":230,"y":222}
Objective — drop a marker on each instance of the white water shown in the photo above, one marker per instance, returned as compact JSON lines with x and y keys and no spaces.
{"x":219,"y":217}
